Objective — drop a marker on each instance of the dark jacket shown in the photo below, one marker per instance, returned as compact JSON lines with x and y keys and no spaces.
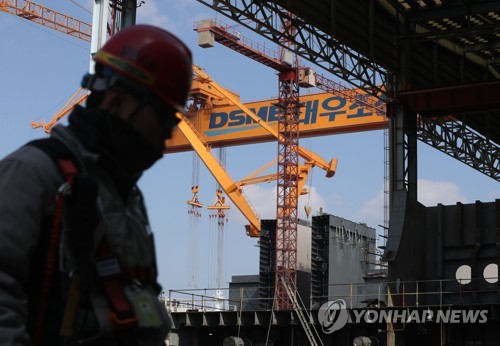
{"x":29,"y":182}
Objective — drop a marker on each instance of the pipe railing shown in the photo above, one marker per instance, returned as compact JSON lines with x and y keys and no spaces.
{"x":383,"y":294}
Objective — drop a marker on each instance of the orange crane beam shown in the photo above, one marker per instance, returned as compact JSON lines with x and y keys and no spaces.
{"x":309,"y":156}
{"x":224,"y":123}
{"x":48,"y":17}
{"x":233,"y":191}
{"x":77,"y":98}
{"x":304,"y":171}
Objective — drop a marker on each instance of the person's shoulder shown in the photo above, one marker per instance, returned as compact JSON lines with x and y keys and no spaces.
{"x":37,"y":156}
{"x":29,"y":178}
{"x":52,"y":147}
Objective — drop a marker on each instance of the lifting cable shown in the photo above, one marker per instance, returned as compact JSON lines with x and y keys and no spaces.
{"x":309,"y":184}
{"x":194,"y":214}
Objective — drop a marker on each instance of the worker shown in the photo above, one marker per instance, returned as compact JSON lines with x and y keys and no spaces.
{"x":77,"y":260}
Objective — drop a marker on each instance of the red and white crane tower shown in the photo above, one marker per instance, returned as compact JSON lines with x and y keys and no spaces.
{"x":288,"y":174}
{"x":288,"y":157}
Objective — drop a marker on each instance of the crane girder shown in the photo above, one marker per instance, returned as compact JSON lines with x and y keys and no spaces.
{"x":224,"y":124}
{"x":79,"y":97}
{"x":455,"y":140}
{"x":230,"y":188}
{"x":304,"y":171}
{"x":328,"y":167}
{"x":48,"y":17}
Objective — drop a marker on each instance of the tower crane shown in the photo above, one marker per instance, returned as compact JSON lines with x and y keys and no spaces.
{"x":290,"y":76}
{"x":288,"y":144}
{"x":288,"y":163}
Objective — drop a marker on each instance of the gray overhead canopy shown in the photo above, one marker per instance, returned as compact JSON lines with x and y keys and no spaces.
{"x":439,"y":59}
{"x":445,"y":55}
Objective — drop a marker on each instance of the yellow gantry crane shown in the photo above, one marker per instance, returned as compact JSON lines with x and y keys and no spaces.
{"x":53,"y":19}
{"x":201,"y":139}
{"x":328,"y":167}
{"x":231,"y":188}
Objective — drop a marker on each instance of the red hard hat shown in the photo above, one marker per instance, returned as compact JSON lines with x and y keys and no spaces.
{"x":153,"y":58}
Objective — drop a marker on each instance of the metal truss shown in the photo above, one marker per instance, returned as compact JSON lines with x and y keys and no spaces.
{"x":124,"y":12}
{"x":311,"y":43}
{"x":48,"y":17}
{"x":458,"y":141}
{"x":288,"y":194}
{"x":268,"y":18}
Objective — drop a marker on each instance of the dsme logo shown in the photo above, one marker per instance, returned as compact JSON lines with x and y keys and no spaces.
{"x":334,"y":315}
{"x":311,"y":112}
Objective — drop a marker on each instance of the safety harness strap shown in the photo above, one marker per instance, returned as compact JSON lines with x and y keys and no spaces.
{"x":110,"y":274}
{"x":69,"y":171}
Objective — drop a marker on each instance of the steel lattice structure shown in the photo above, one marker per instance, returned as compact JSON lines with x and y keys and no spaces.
{"x":48,"y":17}
{"x":268,"y":18}
{"x":313,"y":44}
{"x":456,"y":140}
{"x":288,"y":180}
{"x":288,"y":173}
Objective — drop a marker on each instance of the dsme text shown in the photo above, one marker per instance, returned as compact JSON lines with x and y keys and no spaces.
{"x":311,"y":112}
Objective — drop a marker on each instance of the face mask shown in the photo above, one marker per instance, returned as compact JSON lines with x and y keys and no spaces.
{"x":130,"y":148}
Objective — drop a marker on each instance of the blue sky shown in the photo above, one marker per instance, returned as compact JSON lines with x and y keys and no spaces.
{"x":41,"y":68}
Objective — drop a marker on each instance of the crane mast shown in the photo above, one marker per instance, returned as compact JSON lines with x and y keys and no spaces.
{"x":288,"y":149}
{"x":287,"y":195}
